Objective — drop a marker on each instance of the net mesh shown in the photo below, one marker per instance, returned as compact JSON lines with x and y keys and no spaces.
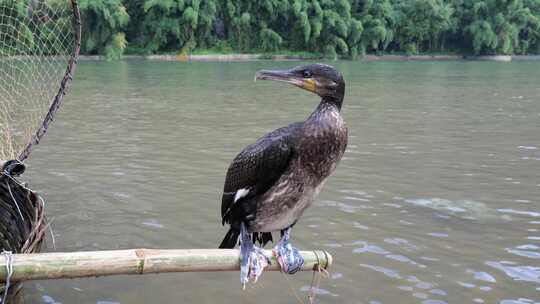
{"x":38,"y":40}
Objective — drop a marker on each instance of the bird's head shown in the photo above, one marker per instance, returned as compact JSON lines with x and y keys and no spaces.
{"x":321,"y":79}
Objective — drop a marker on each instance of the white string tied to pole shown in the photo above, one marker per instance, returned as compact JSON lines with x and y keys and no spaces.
{"x":8,"y":256}
{"x":14,"y":201}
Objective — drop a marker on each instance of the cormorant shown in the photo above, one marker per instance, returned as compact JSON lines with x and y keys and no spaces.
{"x":271,"y":182}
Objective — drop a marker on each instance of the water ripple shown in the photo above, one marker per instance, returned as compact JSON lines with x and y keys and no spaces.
{"x":370,"y":248}
{"x":386,"y":271}
{"x":430,"y":301}
{"x":462,"y":208}
{"x":518,"y":301}
{"x":528,"y":148}
{"x":49,"y":300}
{"x":519,"y":212}
{"x":518,"y":273}
{"x":527,"y":250}
{"x":482,"y":276}
{"x":317,"y":291}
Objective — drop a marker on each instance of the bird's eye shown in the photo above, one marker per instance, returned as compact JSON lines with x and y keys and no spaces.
{"x":307,"y":74}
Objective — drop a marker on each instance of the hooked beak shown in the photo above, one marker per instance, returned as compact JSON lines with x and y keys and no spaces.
{"x":308,"y":84}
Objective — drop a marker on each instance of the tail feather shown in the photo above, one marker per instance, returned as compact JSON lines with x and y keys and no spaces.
{"x":262,"y":237}
{"x":231,"y":239}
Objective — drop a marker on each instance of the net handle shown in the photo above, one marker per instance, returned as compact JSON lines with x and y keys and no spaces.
{"x":68,"y":77}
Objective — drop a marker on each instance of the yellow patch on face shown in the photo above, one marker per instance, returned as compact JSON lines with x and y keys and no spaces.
{"x":309,"y":85}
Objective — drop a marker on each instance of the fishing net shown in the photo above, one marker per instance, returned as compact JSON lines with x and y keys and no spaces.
{"x":39,"y":44}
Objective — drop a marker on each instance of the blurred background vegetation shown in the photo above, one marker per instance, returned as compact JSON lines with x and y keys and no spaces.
{"x":347,"y":28}
{"x":341,"y":28}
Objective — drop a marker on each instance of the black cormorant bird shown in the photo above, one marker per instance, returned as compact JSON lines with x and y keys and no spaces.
{"x":271,"y":182}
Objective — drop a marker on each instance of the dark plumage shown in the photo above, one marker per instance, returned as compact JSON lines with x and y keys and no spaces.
{"x":272,"y":181}
{"x":12,"y":168}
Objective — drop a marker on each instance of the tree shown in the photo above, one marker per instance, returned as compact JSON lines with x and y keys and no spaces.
{"x":103,"y":22}
{"x":177,"y":24}
{"x":423,"y":23}
{"x":331,"y":27}
{"x":378,"y":18}
{"x":495,"y":26}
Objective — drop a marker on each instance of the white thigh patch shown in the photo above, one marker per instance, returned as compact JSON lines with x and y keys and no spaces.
{"x":240,"y":193}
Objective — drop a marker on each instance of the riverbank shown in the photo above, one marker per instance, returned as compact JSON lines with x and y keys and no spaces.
{"x":367,"y":58}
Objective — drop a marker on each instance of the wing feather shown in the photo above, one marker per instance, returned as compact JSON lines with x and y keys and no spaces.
{"x":256,"y":168}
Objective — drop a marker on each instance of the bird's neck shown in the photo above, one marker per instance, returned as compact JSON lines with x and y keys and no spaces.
{"x":327,"y":104}
{"x":322,"y":141}
{"x":336,"y":101}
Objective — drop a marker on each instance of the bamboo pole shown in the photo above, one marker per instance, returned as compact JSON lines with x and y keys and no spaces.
{"x":62,"y":265}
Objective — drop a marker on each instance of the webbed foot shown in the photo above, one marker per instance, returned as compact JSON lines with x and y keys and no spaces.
{"x":288,"y":257}
{"x":253,"y":261}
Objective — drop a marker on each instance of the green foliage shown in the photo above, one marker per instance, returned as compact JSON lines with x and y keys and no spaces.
{"x":179,"y":25}
{"x":335,"y":28}
{"x":103,"y":22}
{"x":501,"y":26}
{"x":37,"y":28}
{"x":116,"y":47}
{"x":270,"y":40}
{"x":423,"y":23}
{"x":529,"y":35}
{"x":16,"y":36}
{"x":379,"y":19}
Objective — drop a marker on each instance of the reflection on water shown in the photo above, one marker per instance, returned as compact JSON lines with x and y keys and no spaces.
{"x":436,"y":200}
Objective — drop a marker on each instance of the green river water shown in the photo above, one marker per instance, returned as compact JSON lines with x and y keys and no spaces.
{"x":437,"y":199}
